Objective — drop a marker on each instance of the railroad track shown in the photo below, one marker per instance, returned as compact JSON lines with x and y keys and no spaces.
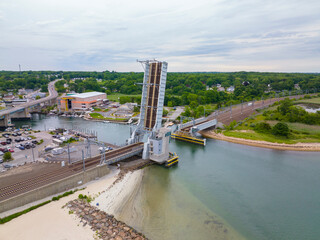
{"x":237,"y":115}
{"x":57,"y":174}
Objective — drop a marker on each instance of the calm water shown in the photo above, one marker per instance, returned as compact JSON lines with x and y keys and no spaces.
{"x":251,"y":192}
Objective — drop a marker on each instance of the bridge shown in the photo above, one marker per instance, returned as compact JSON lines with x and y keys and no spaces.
{"x":186,"y":131}
{"x":22,"y":111}
{"x":19,"y":184}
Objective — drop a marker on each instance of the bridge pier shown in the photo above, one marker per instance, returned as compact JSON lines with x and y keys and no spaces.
{"x":24,"y":114}
{"x":5,"y":122}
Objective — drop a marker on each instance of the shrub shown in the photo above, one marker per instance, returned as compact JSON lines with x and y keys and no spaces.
{"x":252,"y":125}
{"x":262,"y":127}
{"x":281,"y":129}
{"x":7,"y":156}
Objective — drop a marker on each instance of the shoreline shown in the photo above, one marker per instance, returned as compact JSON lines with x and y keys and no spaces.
{"x":307,"y":147}
{"x":57,"y":220}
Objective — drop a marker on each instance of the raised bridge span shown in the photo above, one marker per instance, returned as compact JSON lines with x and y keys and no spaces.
{"x":22,"y":110}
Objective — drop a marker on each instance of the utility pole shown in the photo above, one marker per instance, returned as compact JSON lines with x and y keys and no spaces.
{"x":69,"y":153}
{"x":84,"y":167}
{"x":241,"y":106}
{"x":32,"y":153}
{"x":230,"y":110}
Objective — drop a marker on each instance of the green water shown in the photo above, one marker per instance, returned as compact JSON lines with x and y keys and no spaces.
{"x":222,"y":191}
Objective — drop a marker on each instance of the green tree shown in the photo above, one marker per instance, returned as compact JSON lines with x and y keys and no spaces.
{"x":285,"y":105}
{"x":280,"y":129}
{"x":38,"y":97}
{"x":7,"y":156}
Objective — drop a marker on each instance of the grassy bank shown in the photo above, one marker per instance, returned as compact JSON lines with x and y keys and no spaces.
{"x":311,"y":101}
{"x":100,"y":117}
{"x":115,"y":97}
{"x":299,"y":132}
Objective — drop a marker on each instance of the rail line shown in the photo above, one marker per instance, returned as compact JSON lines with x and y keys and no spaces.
{"x":57,"y":174}
{"x":225,"y":116}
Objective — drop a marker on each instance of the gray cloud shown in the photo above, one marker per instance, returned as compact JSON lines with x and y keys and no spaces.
{"x":199,"y":35}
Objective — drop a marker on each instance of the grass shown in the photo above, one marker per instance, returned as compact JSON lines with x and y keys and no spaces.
{"x":100,"y":117}
{"x":258,"y":136}
{"x":115,"y":96}
{"x":311,"y":100}
{"x":299,"y":132}
{"x":96,"y":115}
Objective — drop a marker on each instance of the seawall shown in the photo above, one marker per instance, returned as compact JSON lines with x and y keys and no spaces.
{"x":60,"y":186}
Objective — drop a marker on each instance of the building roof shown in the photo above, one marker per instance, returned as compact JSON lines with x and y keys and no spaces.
{"x":86,"y":95}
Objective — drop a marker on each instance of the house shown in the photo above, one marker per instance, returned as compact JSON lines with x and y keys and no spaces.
{"x":220,"y":89}
{"x":230,"y":89}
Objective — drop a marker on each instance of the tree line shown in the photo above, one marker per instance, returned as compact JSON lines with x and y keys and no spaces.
{"x":182,"y":88}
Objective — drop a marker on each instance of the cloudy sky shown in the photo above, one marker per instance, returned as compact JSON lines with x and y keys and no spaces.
{"x":197,"y":35}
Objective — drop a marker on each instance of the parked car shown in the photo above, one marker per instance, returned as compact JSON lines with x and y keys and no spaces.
{"x":5,"y":150}
{"x":21,"y":147}
{"x":1,"y":153}
{"x":32,"y":145}
{"x":14,"y":134}
{"x":1,"y":160}
{"x":17,"y":140}
{"x":11,"y":150}
{"x":8,"y":165}
{"x":3,"y":143}
{"x":48,"y":149}
{"x":17,"y":145}
{"x":35,"y":142}
{"x":18,"y":133}
{"x":29,"y":138}
{"x":27,"y":146}
{"x":8,"y":140}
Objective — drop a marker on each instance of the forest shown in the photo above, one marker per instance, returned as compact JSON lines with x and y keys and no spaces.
{"x":183,"y":88}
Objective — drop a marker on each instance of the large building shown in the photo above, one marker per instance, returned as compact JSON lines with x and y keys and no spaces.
{"x":80,"y":102}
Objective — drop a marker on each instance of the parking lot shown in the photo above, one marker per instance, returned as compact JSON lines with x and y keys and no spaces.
{"x":24,"y":146}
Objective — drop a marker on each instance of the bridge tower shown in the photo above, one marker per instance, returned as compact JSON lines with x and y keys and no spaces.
{"x":156,"y":146}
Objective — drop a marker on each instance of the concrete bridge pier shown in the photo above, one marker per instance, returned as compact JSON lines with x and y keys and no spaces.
{"x":5,"y":122}
{"x":24,"y":114}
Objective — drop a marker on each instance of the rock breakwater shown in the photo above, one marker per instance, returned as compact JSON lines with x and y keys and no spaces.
{"x":105,"y":225}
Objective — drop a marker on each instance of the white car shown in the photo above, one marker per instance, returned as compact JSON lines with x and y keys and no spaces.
{"x":1,"y":153}
{"x":17,"y":145}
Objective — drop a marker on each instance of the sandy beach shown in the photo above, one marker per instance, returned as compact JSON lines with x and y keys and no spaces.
{"x":313,"y":147}
{"x":52,"y":221}
{"x":115,"y":199}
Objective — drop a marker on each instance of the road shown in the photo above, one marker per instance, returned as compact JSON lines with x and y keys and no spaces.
{"x":52,"y":95}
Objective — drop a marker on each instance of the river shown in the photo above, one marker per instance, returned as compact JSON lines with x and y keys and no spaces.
{"x":221,"y":191}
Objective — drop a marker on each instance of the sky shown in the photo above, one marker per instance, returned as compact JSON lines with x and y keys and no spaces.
{"x":192,"y":36}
